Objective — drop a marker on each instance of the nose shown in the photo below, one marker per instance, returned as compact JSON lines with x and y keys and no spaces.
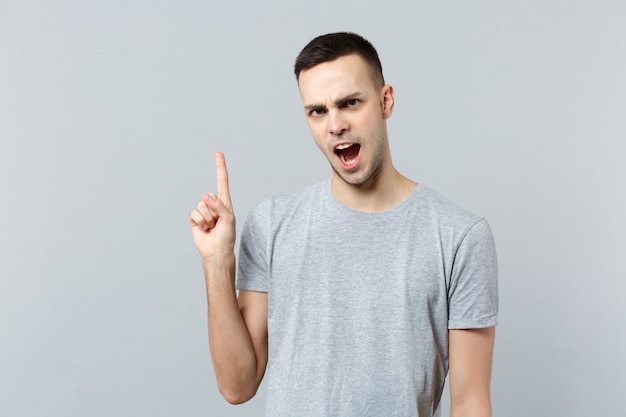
{"x":337,"y":123}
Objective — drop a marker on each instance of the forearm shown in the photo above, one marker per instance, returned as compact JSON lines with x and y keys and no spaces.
{"x":470,"y":359}
{"x":232,"y":351}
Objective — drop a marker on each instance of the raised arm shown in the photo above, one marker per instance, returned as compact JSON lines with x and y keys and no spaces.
{"x":470,"y":358}
{"x":237,"y":326}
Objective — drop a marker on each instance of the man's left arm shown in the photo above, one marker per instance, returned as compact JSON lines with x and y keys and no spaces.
{"x":470,"y":359}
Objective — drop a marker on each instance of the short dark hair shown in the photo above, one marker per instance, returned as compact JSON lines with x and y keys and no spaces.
{"x":326,"y":48}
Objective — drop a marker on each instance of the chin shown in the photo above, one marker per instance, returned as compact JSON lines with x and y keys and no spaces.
{"x":356,"y":179}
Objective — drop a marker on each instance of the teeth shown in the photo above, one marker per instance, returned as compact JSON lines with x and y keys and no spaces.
{"x":344,"y":146}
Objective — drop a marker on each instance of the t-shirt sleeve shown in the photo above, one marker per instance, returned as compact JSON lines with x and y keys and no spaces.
{"x":252,"y":273}
{"x":473,"y":293}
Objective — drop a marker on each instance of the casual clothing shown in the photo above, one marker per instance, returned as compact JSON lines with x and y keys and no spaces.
{"x":360,"y":303}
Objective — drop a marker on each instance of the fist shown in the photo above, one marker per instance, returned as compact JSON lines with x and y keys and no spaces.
{"x":213,"y":221}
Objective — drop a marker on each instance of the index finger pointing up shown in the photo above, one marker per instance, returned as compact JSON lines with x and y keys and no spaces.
{"x":222,"y":177}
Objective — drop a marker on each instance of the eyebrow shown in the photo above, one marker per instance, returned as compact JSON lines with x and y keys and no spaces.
{"x":343,"y":101}
{"x":340,"y":102}
{"x":311,"y":107}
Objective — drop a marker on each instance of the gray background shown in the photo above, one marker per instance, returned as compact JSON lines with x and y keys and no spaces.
{"x":110,"y":112}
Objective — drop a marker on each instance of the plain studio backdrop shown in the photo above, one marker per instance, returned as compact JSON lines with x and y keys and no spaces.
{"x":111,"y":111}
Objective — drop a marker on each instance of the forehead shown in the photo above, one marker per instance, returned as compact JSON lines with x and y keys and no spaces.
{"x":345,"y":75}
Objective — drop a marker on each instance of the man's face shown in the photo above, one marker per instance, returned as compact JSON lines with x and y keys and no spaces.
{"x":346,"y":113}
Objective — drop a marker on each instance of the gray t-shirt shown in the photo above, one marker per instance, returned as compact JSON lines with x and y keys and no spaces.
{"x":360,"y":303}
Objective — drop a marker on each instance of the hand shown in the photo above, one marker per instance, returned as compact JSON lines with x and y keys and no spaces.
{"x":213,"y":221}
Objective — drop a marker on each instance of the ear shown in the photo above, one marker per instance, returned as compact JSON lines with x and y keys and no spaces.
{"x":387,"y":101}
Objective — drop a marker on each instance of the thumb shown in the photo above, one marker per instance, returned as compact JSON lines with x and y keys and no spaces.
{"x":217,"y":207}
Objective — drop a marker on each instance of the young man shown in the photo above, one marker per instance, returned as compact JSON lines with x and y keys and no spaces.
{"x":363,"y":290}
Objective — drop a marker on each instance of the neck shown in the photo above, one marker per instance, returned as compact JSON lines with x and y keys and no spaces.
{"x":382,"y":193}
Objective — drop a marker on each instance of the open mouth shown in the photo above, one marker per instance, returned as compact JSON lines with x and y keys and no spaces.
{"x":348,"y":154}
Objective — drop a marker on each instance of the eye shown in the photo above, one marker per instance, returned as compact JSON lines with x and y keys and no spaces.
{"x":316,"y":112}
{"x":350,"y":103}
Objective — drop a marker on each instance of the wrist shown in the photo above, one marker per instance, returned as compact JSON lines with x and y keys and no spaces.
{"x":219,"y":268}
{"x":218,"y":258}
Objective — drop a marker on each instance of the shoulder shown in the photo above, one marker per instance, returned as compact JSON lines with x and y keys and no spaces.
{"x":294,"y":198}
{"x":446,"y":211}
{"x":452,"y":223}
{"x":277,"y":206}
